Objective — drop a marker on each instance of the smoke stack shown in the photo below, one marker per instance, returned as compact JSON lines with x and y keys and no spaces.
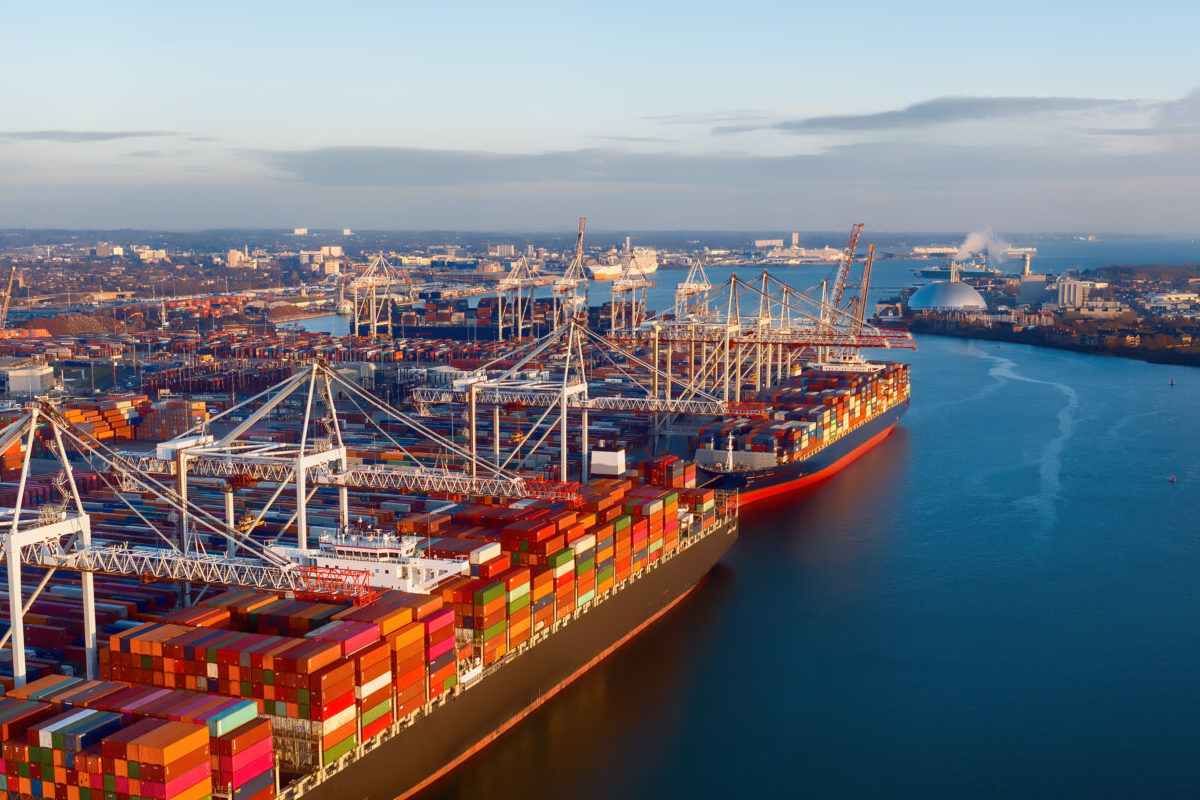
{"x":628,"y":246}
{"x":1026,"y":270}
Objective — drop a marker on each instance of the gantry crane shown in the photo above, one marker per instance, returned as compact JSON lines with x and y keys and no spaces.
{"x":562,"y":353}
{"x":743,"y":334}
{"x":628,"y":305}
{"x":375,"y":295}
{"x":514,"y":296}
{"x":567,"y":298}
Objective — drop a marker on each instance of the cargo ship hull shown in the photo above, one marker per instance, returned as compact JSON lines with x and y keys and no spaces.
{"x":755,"y":485}
{"x":441,"y":739}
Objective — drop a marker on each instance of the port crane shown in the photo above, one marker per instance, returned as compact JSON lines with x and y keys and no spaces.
{"x":323,"y":461}
{"x":374,"y":295}
{"x":7,"y":299}
{"x":568,"y":297}
{"x":514,"y":296}
{"x":743,"y":334}
{"x":563,"y":356}
{"x":628,"y":305}
{"x":59,"y":536}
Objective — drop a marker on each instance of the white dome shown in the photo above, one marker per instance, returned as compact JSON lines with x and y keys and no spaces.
{"x":947,"y":296}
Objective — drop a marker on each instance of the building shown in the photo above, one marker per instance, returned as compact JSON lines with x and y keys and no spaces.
{"x":347,"y":232}
{"x":148,"y":255}
{"x":502,"y":250}
{"x":767,"y":244}
{"x":238,"y":259}
{"x":105,"y":250}
{"x":331,"y":251}
{"x":31,"y":380}
{"x":1072,"y":294}
{"x":300,"y":232}
{"x":947,"y":296}
{"x":795,"y":239}
{"x":1102,"y":309}
{"x":1032,"y":291}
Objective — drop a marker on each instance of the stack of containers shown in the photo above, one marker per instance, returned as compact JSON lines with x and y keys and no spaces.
{"x":17,"y":715}
{"x":350,"y":635}
{"x":622,"y":547}
{"x":441,"y":657}
{"x":243,"y":762}
{"x":375,"y":689}
{"x":584,"y":549}
{"x":605,"y":571}
{"x":542,"y":594}
{"x":639,"y":541}
{"x":702,"y":503}
{"x":518,"y":605}
{"x":152,"y":758}
{"x":670,"y":522}
{"x":410,"y":668}
{"x":489,"y":623}
{"x":200,"y":617}
{"x":55,"y":743}
{"x":333,"y":712}
{"x":562,"y":567}
{"x":43,"y":687}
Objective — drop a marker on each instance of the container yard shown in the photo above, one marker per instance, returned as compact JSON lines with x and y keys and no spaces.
{"x":287,"y":564}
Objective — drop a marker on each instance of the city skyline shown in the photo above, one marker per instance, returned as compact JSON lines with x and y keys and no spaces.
{"x":670,"y":117}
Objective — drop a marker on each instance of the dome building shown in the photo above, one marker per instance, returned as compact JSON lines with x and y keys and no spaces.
{"x":951,"y":295}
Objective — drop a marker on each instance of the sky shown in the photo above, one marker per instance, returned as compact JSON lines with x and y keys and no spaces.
{"x":919,"y":116}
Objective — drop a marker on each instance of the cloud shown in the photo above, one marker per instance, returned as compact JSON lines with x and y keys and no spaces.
{"x":707,"y":117}
{"x":863,"y":164}
{"x":939,"y":111}
{"x":79,"y":136}
{"x":635,"y":139}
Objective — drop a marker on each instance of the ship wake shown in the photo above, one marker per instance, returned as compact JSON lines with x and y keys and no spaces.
{"x":1050,"y":466}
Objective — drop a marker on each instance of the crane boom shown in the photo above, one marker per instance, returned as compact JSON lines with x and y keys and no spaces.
{"x":7,"y":299}
{"x":843,"y":273}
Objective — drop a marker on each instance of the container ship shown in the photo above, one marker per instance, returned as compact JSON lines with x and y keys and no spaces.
{"x":816,"y":424}
{"x":478,"y":613}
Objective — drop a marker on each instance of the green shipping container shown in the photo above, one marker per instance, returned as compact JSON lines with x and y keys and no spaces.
{"x":518,"y":604}
{"x":378,"y":711}
{"x":585,"y":566}
{"x":489,"y":593}
{"x":561,"y":557}
{"x":337,"y":751}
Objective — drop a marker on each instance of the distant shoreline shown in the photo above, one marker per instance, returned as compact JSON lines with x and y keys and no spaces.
{"x":1170,"y":357}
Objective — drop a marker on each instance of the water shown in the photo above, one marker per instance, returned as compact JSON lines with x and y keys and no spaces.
{"x":1002,"y":600}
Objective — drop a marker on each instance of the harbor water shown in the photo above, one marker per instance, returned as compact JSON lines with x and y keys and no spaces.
{"x":1002,"y":600}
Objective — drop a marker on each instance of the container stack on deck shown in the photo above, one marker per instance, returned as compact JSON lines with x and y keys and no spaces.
{"x":810,"y":411}
{"x":87,"y":754}
{"x":277,"y":680}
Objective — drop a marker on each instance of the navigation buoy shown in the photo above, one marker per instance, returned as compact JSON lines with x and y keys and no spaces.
{"x":1172,"y":381}
{"x":1172,"y":479}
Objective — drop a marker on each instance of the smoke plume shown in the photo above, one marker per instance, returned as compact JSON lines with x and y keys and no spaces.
{"x":982,"y":243}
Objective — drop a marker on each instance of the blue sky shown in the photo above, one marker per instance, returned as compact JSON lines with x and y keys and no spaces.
{"x":919,"y":116}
